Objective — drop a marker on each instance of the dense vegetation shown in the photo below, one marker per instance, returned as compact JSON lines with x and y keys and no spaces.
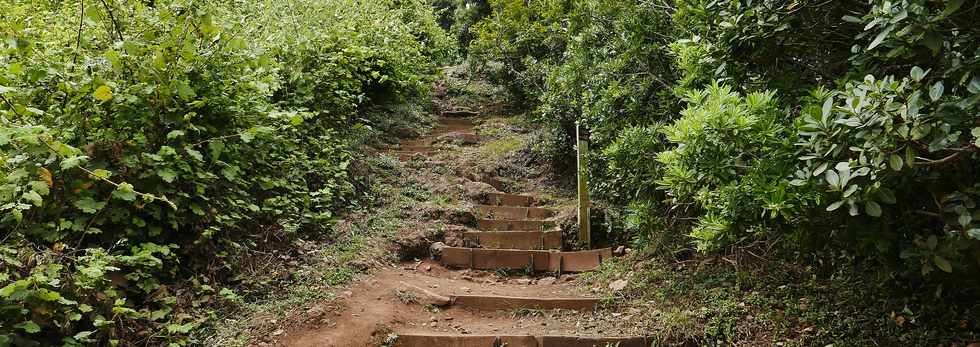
{"x":147,"y":145}
{"x":842,"y":132}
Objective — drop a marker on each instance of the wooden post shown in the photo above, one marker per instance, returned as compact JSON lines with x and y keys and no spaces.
{"x":584,"y":220}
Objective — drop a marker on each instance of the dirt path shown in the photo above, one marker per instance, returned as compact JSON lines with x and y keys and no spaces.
{"x":503,"y":283}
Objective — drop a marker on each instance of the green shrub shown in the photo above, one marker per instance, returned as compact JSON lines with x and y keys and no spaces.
{"x":848,"y":158}
{"x":146,"y":146}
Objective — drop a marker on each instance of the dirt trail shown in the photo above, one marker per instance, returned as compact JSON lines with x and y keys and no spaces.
{"x":465,"y":298}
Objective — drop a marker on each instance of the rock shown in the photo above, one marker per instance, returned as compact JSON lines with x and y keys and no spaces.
{"x":618,"y":285}
{"x":627,"y":251}
{"x":427,"y":267}
{"x":620,"y":251}
{"x":278,"y":332}
{"x":547,"y":281}
{"x":477,"y":190}
{"x":411,"y":293}
{"x":435,"y":250}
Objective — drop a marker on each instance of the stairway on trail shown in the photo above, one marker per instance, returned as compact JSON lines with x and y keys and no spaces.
{"x":512,"y":234}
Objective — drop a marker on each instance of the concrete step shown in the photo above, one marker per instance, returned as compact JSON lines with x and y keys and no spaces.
{"x":432,"y":340}
{"x":504,"y":199}
{"x":514,"y":225}
{"x":516,"y":259}
{"x":512,"y":212}
{"x":514,"y":239}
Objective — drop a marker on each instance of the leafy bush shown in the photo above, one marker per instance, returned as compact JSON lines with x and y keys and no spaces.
{"x":729,"y":159}
{"x":145,"y":146}
{"x":850,"y":158}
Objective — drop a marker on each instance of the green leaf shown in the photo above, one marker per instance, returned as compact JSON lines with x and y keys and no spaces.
{"x":936,"y":91}
{"x":103,"y":93}
{"x":942,"y":263}
{"x":833,"y":179}
{"x":974,"y":233}
{"x":896,"y":162}
{"x":887,"y":196}
{"x":125,"y":191}
{"x":965,"y":219}
{"x":194,"y":153}
{"x":175,"y":134}
{"x":185,"y":91}
{"x":881,"y":37}
{"x":72,"y":162}
{"x":974,"y":86}
{"x":952,"y":6}
{"x":918,"y":74}
{"x":47,"y":294}
{"x":835,"y":206}
{"x":167,"y":174}
{"x":828,"y":106}
{"x":89,"y":206}
{"x":872,"y":208}
{"x":852,"y":19}
{"x":5,"y":90}
{"x":29,"y":326}
{"x":34,"y":198}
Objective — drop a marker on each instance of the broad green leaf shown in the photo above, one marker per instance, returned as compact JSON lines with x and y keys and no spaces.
{"x":852,"y":19}
{"x":101,"y":173}
{"x":103,"y":93}
{"x":185,"y":91}
{"x":872,"y":208}
{"x":29,"y":327}
{"x":896,"y":162}
{"x":47,"y":294}
{"x":974,"y":233}
{"x":175,"y":134}
{"x":194,"y":153}
{"x":125,"y":191}
{"x":167,"y":174}
{"x":833,"y":179}
{"x":34,"y":198}
{"x":73,"y":162}
{"x":88,"y":205}
{"x":952,"y":6}
{"x":974,"y":86}
{"x":917,"y":73}
{"x":942,"y":264}
{"x":936,"y":91}
{"x":887,"y":196}
{"x":965,"y":219}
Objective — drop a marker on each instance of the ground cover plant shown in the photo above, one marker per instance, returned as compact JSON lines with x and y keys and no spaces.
{"x":148,"y":145}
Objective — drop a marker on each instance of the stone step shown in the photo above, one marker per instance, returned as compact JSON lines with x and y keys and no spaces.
{"x":516,"y":259}
{"x":497,"y":302}
{"x":514,"y":225}
{"x":515,"y":239}
{"x":512,"y":212}
{"x":432,"y":340}
{"x":504,"y":199}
